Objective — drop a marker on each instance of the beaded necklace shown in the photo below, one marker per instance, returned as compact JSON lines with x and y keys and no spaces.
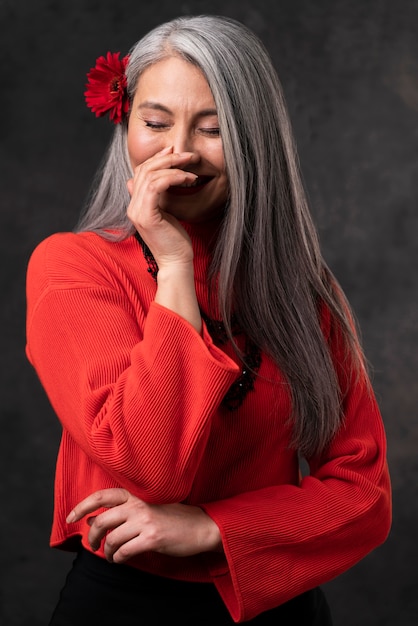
{"x":252,"y":358}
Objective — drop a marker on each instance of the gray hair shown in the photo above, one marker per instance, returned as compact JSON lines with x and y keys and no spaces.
{"x":257,"y":140}
{"x":270,"y":268}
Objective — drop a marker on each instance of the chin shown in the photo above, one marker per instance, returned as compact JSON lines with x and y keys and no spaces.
{"x":193,"y":214}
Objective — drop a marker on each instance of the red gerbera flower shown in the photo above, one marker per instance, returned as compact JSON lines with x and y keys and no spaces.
{"x":106,"y":87}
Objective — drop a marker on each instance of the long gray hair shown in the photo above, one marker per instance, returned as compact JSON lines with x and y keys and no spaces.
{"x":268,"y":261}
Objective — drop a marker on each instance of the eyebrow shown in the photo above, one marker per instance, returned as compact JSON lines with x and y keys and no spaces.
{"x":156,"y":106}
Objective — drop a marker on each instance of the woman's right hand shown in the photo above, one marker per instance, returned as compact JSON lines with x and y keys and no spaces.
{"x":161,"y":231}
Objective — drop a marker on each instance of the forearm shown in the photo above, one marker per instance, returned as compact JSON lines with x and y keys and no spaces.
{"x":108,"y":391}
{"x":176,"y":291}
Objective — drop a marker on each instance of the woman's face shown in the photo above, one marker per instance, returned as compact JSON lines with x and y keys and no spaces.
{"x":174,"y":106}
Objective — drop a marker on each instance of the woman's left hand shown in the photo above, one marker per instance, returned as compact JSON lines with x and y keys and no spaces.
{"x":130,"y":526}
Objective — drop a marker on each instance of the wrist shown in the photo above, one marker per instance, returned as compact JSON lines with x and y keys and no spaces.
{"x":176,"y":291}
{"x":212,"y":535}
{"x":180,"y":271}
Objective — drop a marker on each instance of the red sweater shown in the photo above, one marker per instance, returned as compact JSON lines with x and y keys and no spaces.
{"x":138,"y":393}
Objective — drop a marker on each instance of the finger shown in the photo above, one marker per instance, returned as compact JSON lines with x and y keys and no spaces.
{"x":103,"y":498}
{"x":140,"y":177}
{"x":166,"y":150}
{"x":128,"y":549}
{"x":170,"y":178}
{"x":163,"y":161}
{"x":120,"y":536}
{"x":143,"y":210}
{"x":102,"y":524}
{"x":163,"y":179}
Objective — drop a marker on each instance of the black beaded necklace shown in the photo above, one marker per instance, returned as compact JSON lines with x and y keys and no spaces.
{"x":252,"y":358}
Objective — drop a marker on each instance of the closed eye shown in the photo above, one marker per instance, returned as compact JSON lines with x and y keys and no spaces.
{"x":215,"y":132}
{"x":155,"y":125}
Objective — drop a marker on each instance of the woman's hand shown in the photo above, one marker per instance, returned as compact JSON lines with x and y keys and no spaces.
{"x":130,"y":526}
{"x":161,"y":231}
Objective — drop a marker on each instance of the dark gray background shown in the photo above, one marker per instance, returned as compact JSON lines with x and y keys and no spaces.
{"x":350,"y":73}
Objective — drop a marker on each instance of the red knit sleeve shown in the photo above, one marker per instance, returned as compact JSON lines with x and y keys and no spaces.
{"x":281,"y":541}
{"x":136,"y":390}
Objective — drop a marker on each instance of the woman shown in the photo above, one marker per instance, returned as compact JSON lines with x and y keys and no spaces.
{"x":196,"y":347}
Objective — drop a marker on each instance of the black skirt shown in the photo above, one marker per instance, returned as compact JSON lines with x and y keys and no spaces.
{"x":97,"y":592}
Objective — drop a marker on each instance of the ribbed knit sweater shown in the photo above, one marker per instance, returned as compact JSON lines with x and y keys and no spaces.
{"x":139,"y":395}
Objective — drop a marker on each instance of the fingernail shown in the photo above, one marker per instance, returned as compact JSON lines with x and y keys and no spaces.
{"x":70,"y":518}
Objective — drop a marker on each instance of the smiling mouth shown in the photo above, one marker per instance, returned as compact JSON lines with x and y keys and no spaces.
{"x":190,"y":188}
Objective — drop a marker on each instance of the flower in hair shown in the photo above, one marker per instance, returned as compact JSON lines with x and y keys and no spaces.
{"x":107,"y":87}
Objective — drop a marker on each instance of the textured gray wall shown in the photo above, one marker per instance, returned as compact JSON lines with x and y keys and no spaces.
{"x":350,"y":73}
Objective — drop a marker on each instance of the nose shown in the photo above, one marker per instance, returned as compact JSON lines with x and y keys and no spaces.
{"x":182,"y":140}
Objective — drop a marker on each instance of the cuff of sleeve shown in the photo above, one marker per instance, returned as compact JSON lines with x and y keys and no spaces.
{"x":161,"y":322}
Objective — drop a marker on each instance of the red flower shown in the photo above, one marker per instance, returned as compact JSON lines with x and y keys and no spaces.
{"x":106,"y":87}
